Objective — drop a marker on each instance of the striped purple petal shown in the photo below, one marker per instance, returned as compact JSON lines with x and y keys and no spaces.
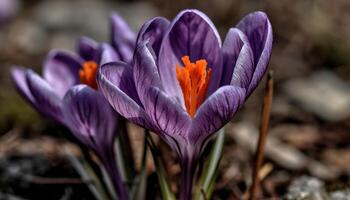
{"x":191,"y":33}
{"x":116,"y":82}
{"x":61,"y":71}
{"x":18,"y":76}
{"x":44,"y":96}
{"x":257,"y":27}
{"x":164,"y":110}
{"x":145,"y":70}
{"x":123,"y":38}
{"x":107,"y":54}
{"x":215,"y":112}
{"x":238,"y":60}
{"x":90,"y":117}
{"x":153,"y":31}
{"x":92,"y":120}
{"x":87,"y":48}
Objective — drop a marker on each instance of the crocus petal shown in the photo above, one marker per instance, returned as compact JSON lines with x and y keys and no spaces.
{"x":107,"y":54}
{"x":153,"y":31}
{"x":164,"y":110}
{"x":93,"y":121}
{"x":258,"y":29}
{"x":18,"y":76}
{"x":109,"y":78}
{"x":61,"y":70}
{"x":120,"y":75}
{"x":191,"y":33}
{"x":238,"y":60}
{"x":123,"y":38}
{"x":87,"y":48}
{"x":89,"y":116}
{"x":145,"y":70}
{"x":215,"y":112}
{"x":8,"y":10}
{"x":169,"y":118}
{"x":46,"y":99}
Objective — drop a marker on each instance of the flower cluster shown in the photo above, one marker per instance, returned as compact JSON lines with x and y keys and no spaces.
{"x":67,"y":93}
{"x":176,"y":79}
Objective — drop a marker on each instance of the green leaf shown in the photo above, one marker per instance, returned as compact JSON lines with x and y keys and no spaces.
{"x":107,"y":181}
{"x":88,"y":174}
{"x":206,"y":183}
{"x":121,"y":162}
{"x":164,"y":185}
{"x":125,"y":154}
{"x":140,"y":182}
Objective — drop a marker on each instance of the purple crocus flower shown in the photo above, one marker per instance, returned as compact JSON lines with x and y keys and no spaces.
{"x":184,"y":84}
{"x":61,"y":71}
{"x":68,"y":93}
{"x":8,"y":10}
{"x":92,"y":120}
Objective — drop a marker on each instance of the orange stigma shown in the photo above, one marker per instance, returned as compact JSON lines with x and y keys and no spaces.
{"x":88,"y":74}
{"x":194,"y":80}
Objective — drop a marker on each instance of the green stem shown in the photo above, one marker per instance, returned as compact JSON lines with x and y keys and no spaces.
{"x":163,"y":183}
{"x":126,"y":159}
{"x":208,"y":177}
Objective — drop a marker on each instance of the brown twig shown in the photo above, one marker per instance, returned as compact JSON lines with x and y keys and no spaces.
{"x":264,"y":124}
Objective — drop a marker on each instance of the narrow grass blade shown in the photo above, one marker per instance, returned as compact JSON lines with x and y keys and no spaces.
{"x":164,"y":185}
{"x":140,"y":182}
{"x":206,"y":183}
{"x":86,"y":173}
{"x":125,"y":154}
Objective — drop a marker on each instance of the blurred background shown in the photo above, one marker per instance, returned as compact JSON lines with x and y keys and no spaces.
{"x":309,"y":140}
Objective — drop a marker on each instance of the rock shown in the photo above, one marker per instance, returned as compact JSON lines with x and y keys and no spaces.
{"x":287,"y":156}
{"x":26,"y":35}
{"x":66,"y":41}
{"x":310,"y":188}
{"x":323,"y":94}
{"x":338,"y":157}
{"x":90,"y":18}
{"x":298,"y":135}
{"x":340,"y":195}
{"x":306,"y":188}
{"x":136,"y":13}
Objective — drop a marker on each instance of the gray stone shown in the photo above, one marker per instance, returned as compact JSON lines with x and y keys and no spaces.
{"x":306,"y":188}
{"x":64,"y":41}
{"x":324,"y":94}
{"x":88,"y":17}
{"x":340,"y":195}
{"x":28,"y":36}
{"x":91,"y":18}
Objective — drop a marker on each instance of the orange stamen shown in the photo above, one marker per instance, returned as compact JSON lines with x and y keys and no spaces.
{"x":87,"y":74}
{"x":194,"y":80}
